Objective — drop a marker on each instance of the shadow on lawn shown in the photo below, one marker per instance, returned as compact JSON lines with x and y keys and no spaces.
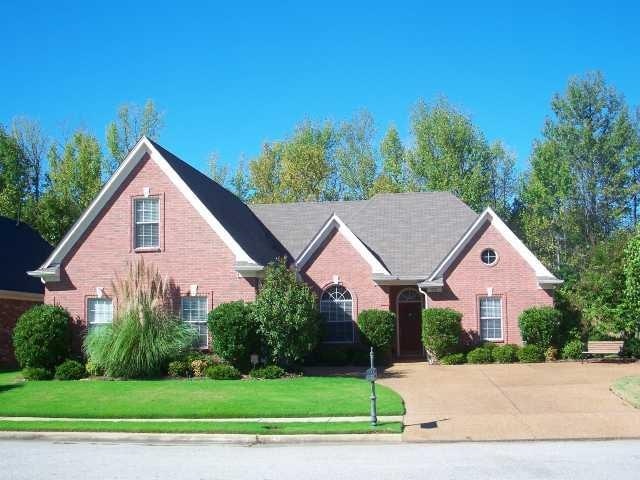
{"x":10,"y":386}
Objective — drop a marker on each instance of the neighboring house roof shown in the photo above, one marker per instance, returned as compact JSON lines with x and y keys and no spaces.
{"x":410,"y":233}
{"x":22,"y":246}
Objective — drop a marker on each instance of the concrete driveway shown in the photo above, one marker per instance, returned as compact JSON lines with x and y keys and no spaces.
{"x":513,"y":402}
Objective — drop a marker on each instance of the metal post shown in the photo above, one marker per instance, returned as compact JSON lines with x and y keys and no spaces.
{"x":374,"y":415}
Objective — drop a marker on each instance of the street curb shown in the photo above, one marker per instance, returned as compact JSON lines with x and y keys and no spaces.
{"x":176,"y":438}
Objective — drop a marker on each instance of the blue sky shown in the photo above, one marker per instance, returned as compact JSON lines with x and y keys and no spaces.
{"x":232,"y":76}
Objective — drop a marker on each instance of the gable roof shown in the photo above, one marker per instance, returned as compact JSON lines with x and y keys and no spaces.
{"x":543,"y":275}
{"x":21,"y":245}
{"x":251,"y":243}
{"x":410,"y":233}
{"x":335,"y":223}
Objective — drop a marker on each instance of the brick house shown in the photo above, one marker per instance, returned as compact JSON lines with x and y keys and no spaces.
{"x":402,"y":252}
{"x":21,"y":246}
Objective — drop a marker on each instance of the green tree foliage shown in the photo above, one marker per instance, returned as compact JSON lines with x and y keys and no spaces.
{"x":630,"y":315}
{"x":33,"y":144}
{"x":14,"y":177}
{"x":540,"y":326}
{"x":240,"y":183}
{"x":377,"y":327}
{"x":73,"y":181}
{"x":287,"y":315}
{"x":577,"y":188}
{"x":234,"y":332}
{"x":356,"y":157}
{"x":218,"y":172}
{"x":132,"y":122}
{"x":395,"y":176}
{"x":441,"y":330}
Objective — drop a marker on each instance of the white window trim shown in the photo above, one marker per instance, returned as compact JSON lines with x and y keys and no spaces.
{"x":136,"y":223}
{"x":494,"y":252}
{"x":353,"y":326}
{"x":480,"y":318}
{"x":100,"y":299}
{"x":191,"y":322}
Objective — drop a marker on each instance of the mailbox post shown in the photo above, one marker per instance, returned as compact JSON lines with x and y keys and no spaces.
{"x":371,"y":376}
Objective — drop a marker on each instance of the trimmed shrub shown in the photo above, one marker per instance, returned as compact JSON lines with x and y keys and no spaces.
{"x":573,"y":350}
{"x":222,"y":372}
{"x":480,"y":355}
{"x":36,"y":373}
{"x":531,"y":354}
{"x":42,"y":337}
{"x":551,"y":354}
{"x":540,"y":325}
{"x":198,"y":367}
{"x":454,"y":359}
{"x":178,"y":368}
{"x":286,"y":311}
{"x":93,"y":369}
{"x":70,"y":370}
{"x":377,"y":328}
{"x":234,"y":333}
{"x":505,"y":353}
{"x":269,"y":372}
{"x":441,"y":331}
{"x":631,"y":348}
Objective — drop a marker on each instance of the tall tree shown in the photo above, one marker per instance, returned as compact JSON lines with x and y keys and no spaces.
{"x":240,"y":182}
{"x":217,"y":172}
{"x":14,"y":177}
{"x":395,"y":176}
{"x":132,"y":122}
{"x":450,"y":153}
{"x":74,"y":179}
{"x":577,"y":188}
{"x":503,"y":182}
{"x":33,"y":144}
{"x":356,"y":157}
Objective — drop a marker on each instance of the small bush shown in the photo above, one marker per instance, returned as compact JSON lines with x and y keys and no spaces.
{"x":178,"y":368}
{"x":93,"y":369}
{"x":441,"y":331}
{"x":222,"y":372}
{"x":480,"y":355}
{"x":631,"y":348}
{"x":70,"y":370}
{"x":454,"y":359}
{"x":36,"y":373}
{"x":505,"y":353}
{"x":573,"y":350}
{"x":198,"y":367}
{"x":540,"y":325}
{"x":377,"y":327}
{"x":269,"y":372}
{"x":551,"y":354}
{"x":234,"y":333}
{"x":42,"y":337}
{"x":531,"y":354}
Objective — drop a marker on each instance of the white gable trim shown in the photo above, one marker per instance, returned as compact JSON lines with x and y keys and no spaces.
{"x":335,"y":223}
{"x":110,"y":188}
{"x":544,"y":277}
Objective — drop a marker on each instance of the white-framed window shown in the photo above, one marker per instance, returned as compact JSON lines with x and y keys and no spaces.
{"x":147,"y":222}
{"x":489,"y":256}
{"x":193,"y":310}
{"x":336,"y":309}
{"x":99,"y":312}
{"x":491,"y":318}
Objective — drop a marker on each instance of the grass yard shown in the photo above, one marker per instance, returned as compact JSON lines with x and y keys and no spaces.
{"x":628,"y":388}
{"x":291,"y":397}
{"x":252,"y":428}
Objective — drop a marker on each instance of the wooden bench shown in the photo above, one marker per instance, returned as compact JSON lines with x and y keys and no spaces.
{"x":603,"y":347}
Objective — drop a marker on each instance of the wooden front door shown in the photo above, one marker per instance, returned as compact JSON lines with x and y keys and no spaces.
{"x":409,"y":328}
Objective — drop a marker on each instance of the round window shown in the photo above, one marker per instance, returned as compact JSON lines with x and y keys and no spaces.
{"x":489,"y":256}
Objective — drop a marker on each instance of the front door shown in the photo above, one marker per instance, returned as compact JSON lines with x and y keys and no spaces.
{"x":409,"y":328}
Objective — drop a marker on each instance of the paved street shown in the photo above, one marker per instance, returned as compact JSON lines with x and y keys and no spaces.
{"x":546,"y":401}
{"x":40,"y":460}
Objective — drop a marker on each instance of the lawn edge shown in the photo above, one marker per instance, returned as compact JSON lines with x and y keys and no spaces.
{"x":623,"y":394}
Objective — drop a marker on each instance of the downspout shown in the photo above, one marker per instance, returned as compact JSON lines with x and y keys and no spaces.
{"x":426,"y":305}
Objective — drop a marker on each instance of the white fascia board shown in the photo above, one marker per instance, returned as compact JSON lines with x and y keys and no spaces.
{"x":109,"y":189}
{"x":335,"y":223}
{"x":539,"y":269}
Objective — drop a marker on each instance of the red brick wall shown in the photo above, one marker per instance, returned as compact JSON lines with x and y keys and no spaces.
{"x":338,"y":257}
{"x":191,"y":253}
{"x":10,"y":310}
{"x":511,"y":278}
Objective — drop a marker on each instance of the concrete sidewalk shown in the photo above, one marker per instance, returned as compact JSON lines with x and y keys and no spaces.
{"x":513,"y":402}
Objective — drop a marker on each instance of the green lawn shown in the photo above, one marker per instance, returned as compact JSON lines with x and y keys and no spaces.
{"x":292,"y":397}
{"x":253,"y":428}
{"x":629,"y":389}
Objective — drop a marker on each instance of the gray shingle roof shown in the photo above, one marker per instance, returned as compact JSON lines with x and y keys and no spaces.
{"x":409,"y":232}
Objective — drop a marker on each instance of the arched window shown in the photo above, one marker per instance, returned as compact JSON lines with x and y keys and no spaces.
{"x":409,"y":295}
{"x":336,"y":308}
